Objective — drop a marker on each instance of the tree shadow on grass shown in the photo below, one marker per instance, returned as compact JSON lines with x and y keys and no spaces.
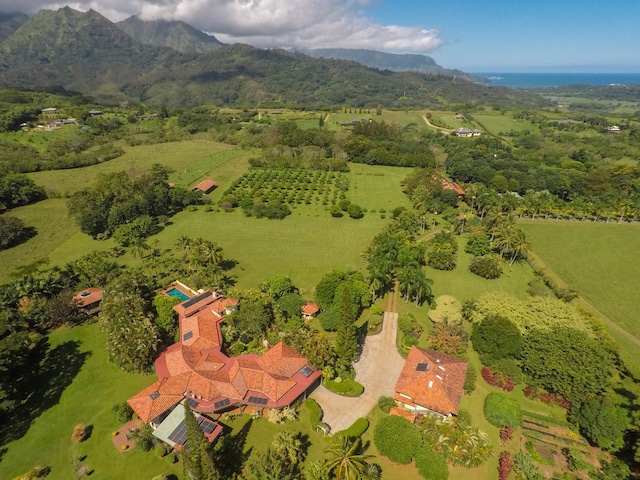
{"x":58,"y":369}
{"x":229,"y":453}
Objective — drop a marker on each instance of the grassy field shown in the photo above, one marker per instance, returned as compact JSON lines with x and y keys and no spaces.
{"x":54,"y":229}
{"x":87,"y":399}
{"x":377,"y":187}
{"x":401,"y":117}
{"x":504,"y":123}
{"x":600,"y":261}
{"x":190,"y":160}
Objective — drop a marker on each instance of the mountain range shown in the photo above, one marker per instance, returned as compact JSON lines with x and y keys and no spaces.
{"x":171,"y":63}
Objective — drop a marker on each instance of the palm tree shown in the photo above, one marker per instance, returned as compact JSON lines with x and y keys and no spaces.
{"x":287,"y":444}
{"x":519,"y":245}
{"x":346,"y":459}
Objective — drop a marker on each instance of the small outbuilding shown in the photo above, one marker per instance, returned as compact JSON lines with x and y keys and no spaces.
{"x":88,"y":300}
{"x":310,"y":310}
{"x":205,"y":186}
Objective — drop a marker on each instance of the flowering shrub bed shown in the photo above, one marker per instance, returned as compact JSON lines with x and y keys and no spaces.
{"x":505,"y":465}
{"x":547,"y":398}
{"x":496,"y":379}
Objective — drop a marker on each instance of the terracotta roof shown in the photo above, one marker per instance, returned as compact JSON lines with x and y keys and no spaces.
{"x":310,"y":308}
{"x":401,"y":412}
{"x":436,"y":384}
{"x":200,"y":370}
{"x":447,"y":185}
{"x":205,"y":186}
{"x":158,"y":398}
{"x":87,"y":296}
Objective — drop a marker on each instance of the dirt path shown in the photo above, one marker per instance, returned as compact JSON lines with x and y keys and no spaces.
{"x":584,"y":302}
{"x":446,"y":131}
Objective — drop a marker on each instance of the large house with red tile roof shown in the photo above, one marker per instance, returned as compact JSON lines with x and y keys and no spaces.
{"x":195,"y":368}
{"x":431,"y":382}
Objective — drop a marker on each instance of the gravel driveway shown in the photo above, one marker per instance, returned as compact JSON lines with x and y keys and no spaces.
{"x":377,"y":370}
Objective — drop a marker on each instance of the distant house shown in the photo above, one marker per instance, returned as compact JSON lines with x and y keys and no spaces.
{"x":430,"y":382}
{"x":95,"y":113}
{"x":447,"y":185}
{"x":459,"y":116}
{"x":613,"y":129}
{"x":49,"y":111}
{"x":465,"y":132}
{"x":88,"y":300}
{"x":310,"y":310}
{"x":205,"y":186}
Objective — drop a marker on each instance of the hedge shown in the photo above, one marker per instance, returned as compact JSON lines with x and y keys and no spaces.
{"x":315,"y":412}
{"x":347,"y":388}
{"x":397,"y":439}
{"x":500,"y":409}
{"x":356,"y":429}
{"x":431,"y":465}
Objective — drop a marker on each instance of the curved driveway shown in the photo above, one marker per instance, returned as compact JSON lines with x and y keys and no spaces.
{"x":377,"y":370}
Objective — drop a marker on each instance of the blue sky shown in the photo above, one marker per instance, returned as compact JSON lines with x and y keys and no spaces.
{"x":543,"y":35}
{"x":475,"y":36}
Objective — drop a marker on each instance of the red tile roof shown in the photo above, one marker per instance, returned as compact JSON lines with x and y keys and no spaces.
{"x":401,"y":412}
{"x":447,"y":185}
{"x":197,"y":364}
{"x":87,"y":296}
{"x":310,"y":308}
{"x":205,"y":186}
{"x":437,"y":387}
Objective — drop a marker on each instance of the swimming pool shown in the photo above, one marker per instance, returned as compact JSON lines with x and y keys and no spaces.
{"x":174,"y":292}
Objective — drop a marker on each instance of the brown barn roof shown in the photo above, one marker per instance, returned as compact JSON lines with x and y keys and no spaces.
{"x":432,"y":380}
{"x":310,"y":308}
{"x":205,"y":186}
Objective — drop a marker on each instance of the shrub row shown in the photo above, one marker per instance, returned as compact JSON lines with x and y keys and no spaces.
{"x":547,"y":398}
{"x":347,"y":388}
{"x":315,"y":412}
{"x":496,"y":379}
{"x":356,"y":429}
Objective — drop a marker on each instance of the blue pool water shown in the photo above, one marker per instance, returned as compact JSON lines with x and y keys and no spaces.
{"x":174,"y":292}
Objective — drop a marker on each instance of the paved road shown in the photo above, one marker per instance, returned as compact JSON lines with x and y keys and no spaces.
{"x":377,"y":370}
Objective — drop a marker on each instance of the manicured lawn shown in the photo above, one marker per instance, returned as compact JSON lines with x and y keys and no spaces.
{"x":463,"y":284}
{"x":303,"y":246}
{"x":88,"y":398}
{"x":601,"y":261}
{"x":191,"y":160}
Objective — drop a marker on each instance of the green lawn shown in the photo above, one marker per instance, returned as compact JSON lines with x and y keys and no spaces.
{"x":87,"y":399}
{"x":600,"y":261}
{"x":377,"y":187}
{"x":191,"y":161}
{"x":463,"y":284}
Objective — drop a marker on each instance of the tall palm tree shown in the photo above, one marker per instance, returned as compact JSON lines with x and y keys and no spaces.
{"x":287,"y":444}
{"x":346,"y":459}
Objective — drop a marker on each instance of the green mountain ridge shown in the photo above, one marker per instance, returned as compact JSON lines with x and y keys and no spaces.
{"x":385,"y":61}
{"x":173,"y":34}
{"x":9,"y":23}
{"x":87,"y":53}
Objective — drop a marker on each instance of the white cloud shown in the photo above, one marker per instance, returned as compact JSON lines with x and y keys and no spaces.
{"x":265,"y":23}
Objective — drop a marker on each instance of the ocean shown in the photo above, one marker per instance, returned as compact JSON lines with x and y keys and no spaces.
{"x":541,"y":80}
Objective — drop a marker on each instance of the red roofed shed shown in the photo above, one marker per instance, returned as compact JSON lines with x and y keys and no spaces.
{"x":205,"y":186}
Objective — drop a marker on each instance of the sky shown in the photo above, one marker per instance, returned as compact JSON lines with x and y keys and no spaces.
{"x":489,"y":36}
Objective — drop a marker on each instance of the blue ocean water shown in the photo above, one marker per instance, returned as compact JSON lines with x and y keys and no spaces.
{"x":541,"y":80}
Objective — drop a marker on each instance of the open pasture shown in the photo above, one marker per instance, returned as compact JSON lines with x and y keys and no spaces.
{"x":598,"y":260}
{"x":498,"y":123}
{"x":190,"y":160}
{"x":401,"y":117}
{"x":54,"y":228}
